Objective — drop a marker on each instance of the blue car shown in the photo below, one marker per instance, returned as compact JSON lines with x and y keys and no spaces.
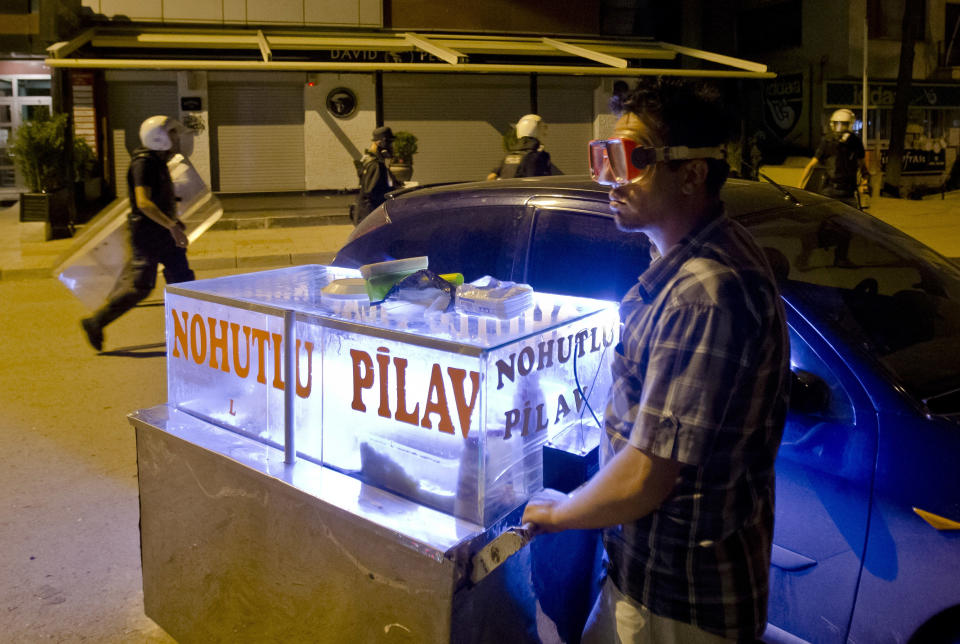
{"x":867,"y":537}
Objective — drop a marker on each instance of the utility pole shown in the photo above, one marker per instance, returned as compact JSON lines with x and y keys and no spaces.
{"x":865,"y":90}
{"x":898,"y":127}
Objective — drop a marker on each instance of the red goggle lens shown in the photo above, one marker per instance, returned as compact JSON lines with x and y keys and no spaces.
{"x":611,"y":161}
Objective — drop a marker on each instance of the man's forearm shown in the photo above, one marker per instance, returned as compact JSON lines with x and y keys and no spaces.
{"x":632,"y":485}
{"x":150,"y":210}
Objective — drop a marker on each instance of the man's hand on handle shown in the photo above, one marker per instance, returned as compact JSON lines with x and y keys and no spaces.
{"x":539,"y":511}
{"x":178,"y":234}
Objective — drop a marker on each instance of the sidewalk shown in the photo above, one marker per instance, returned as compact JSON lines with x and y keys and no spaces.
{"x":260,"y":231}
{"x":254,"y":232}
{"x":934,"y":221}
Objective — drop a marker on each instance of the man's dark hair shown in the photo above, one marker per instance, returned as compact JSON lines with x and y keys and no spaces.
{"x":683,"y":112}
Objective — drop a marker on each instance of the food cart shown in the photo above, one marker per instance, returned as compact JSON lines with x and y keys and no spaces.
{"x":327,"y":470}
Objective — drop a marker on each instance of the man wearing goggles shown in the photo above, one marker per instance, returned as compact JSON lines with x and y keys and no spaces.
{"x":694,"y":421}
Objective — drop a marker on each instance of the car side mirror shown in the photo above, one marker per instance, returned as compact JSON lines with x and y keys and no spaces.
{"x":809,"y":393}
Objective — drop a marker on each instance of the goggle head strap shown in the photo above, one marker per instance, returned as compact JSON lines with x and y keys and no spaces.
{"x":643,"y":157}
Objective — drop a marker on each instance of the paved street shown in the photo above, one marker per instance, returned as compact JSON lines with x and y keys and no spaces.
{"x":68,"y":524}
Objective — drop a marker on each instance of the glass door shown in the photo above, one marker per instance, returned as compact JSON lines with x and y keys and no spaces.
{"x":22,"y":97}
{"x":8,"y":177}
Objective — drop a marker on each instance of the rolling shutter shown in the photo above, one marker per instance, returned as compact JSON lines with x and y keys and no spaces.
{"x":257,"y":135}
{"x":566,"y":105}
{"x":131,"y":103}
{"x":458,"y":120}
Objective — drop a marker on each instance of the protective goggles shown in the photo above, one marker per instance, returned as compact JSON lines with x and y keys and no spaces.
{"x":619,"y":161}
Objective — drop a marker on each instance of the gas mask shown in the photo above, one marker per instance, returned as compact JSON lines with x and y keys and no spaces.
{"x":385,"y":148}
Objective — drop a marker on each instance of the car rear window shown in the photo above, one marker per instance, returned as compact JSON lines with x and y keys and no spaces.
{"x":475,"y":240}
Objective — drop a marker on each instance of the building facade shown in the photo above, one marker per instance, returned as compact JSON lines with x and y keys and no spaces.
{"x":817,"y":50}
{"x":282,"y":95}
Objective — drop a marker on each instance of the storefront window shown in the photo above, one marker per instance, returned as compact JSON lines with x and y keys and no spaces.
{"x":21,"y":98}
{"x":34,"y":87}
{"x":29,"y":112}
{"x":8,"y":178}
{"x":879,"y":125}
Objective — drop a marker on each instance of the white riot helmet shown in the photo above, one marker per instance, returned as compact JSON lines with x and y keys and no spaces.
{"x":529,"y":125}
{"x":841,"y":121}
{"x":155,"y":132}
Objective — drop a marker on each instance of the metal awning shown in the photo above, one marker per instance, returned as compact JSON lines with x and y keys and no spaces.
{"x":111,"y":47}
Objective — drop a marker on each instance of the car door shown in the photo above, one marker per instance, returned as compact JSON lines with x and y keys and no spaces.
{"x":580,"y":251}
{"x":824,"y":475}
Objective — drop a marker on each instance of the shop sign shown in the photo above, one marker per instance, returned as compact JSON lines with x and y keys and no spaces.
{"x":783,"y":103}
{"x":919,"y":161}
{"x":376,"y":56}
{"x":882,"y":95}
{"x":191,"y":103}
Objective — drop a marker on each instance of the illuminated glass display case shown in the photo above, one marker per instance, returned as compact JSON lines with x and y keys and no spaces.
{"x":446,"y":409}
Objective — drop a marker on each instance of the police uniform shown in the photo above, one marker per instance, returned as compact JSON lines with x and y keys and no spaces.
{"x":841,"y":155}
{"x":526,"y":159}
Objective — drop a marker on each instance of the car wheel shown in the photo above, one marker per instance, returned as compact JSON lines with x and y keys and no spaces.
{"x":868,"y":286}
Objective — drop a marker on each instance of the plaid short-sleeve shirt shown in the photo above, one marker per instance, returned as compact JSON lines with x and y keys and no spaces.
{"x":700,"y":377}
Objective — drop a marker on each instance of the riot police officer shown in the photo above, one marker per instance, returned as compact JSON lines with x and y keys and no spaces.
{"x":842,"y":155}
{"x":156,"y":235}
{"x":527,"y":158}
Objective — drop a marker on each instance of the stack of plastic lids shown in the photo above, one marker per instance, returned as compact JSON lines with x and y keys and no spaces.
{"x":381,"y":277}
{"x":345,"y":296}
{"x":491,"y":297}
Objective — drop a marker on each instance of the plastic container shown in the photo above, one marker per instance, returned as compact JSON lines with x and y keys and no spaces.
{"x":491,"y":297}
{"x":345,"y":296}
{"x":381,"y":276}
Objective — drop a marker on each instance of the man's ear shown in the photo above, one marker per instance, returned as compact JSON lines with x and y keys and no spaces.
{"x":695,"y":173}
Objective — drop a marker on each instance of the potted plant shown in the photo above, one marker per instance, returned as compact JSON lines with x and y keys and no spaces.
{"x":88,"y":185}
{"x":404,"y":147}
{"x":37,"y":148}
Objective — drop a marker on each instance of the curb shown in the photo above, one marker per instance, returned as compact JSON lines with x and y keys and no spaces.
{"x":200,"y":263}
{"x":281,"y":221}
{"x":10,"y":274}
